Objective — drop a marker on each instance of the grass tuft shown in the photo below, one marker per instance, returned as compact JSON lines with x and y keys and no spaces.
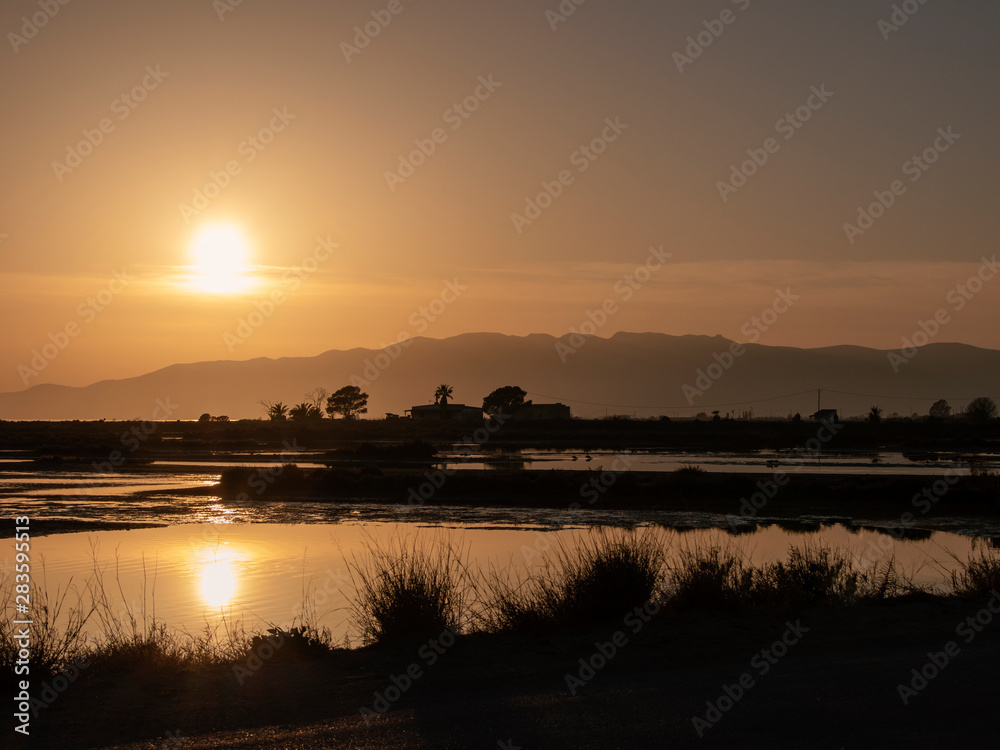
{"x":408,"y":591}
{"x":599,"y":580}
{"x":979,"y":576}
{"x":722,"y":580}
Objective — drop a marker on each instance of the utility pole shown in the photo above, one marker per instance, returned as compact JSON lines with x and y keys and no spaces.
{"x":819,"y":399}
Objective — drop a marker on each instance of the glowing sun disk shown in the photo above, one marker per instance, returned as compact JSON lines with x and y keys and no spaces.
{"x":220,"y":254}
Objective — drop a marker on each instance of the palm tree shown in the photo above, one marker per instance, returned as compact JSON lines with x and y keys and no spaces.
{"x":875,"y":415}
{"x":442,"y":394}
{"x":276,"y":412}
{"x":304,"y":411}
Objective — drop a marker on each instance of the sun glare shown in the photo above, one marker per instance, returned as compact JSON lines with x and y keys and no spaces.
{"x":221,"y":255}
{"x":217,"y":577}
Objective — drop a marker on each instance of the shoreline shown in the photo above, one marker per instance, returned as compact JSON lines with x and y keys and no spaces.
{"x":905,"y":505}
{"x":850,"y":663}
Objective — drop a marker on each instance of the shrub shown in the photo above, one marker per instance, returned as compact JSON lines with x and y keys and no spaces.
{"x":597,"y":581}
{"x":408,"y":591}
{"x":979,"y":576}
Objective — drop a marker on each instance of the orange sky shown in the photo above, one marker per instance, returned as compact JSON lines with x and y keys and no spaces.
{"x":176,"y":98}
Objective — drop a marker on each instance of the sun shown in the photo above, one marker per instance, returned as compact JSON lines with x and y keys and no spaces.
{"x":221,"y":254}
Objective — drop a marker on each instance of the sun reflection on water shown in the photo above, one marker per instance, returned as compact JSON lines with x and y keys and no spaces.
{"x":218,"y":576}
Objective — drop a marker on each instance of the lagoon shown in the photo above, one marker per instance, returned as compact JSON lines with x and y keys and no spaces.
{"x":193,"y":575}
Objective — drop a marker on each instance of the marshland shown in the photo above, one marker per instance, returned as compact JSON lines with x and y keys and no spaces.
{"x":233,"y":567}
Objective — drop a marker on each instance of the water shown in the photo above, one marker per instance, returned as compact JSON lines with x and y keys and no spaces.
{"x":199,"y":558}
{"x":474,"y":457}
{"x":260,"y":574}
{"x":755,"y":462}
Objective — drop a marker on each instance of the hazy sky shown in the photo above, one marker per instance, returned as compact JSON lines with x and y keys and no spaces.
{"x":298,"y":128}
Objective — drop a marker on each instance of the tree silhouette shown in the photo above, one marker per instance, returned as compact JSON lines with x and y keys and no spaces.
{"x":276,"y":412}
{"x":304,"y":412}
{"x":981,"y":409}
{"x":505,"y":400}
{"x":317,"y":397}
{"x":875,"y":415}
{"x":349,"y":402}
{"x":940,"y":409}
{"x":442,"y":394}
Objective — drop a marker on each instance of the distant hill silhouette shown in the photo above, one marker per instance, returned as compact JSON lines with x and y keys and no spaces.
{"x":625,"y":371}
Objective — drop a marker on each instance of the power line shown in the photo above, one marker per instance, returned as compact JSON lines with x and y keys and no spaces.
{"x":674,"y":406}
{"x":906,"y":398}
{"x":750,"y":401}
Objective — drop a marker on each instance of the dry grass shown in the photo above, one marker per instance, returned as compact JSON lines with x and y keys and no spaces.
{"x":409,"y":590}
{"x":413,"y":590}
{"x":722,"y":579}
{"x":979,"y":576}
{"x":598,"y":580}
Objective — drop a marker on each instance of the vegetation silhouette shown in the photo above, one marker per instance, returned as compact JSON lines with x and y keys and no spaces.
{"x":305,"y":412}
{"x":348,"y":402}
{"x":940,"y":409}
{"x":981,"y":409}
{"x":505,"y":400}
{"x":276,"y":412}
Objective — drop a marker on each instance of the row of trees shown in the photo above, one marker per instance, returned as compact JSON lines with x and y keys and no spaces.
{"x":350,"y":402}
{"x":980,"y":409}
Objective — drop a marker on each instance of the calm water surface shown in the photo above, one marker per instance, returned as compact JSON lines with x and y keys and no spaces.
{"x":255,"y":561}
{"x":197,"y":574}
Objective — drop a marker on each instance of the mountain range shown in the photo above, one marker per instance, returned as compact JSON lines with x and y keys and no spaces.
{"x":640,"y":374}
